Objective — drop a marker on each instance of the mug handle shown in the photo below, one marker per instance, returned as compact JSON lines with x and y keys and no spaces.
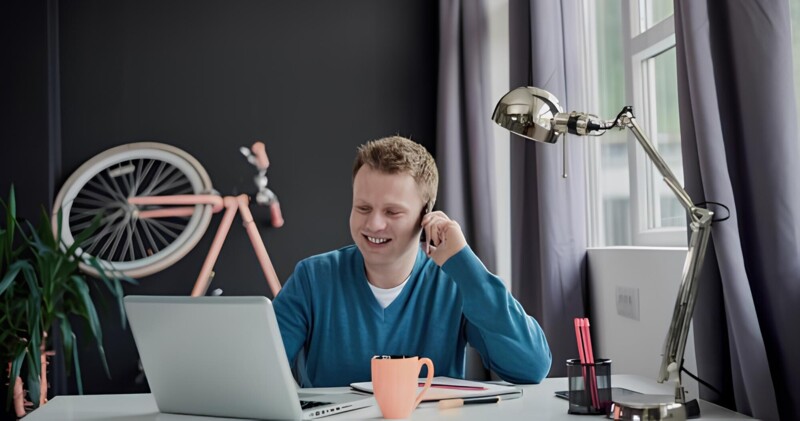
{"x":428,"y":381}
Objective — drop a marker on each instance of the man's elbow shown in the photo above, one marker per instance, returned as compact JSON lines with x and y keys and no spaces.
{"x":542,"y":369}
{"x":532,"y":373}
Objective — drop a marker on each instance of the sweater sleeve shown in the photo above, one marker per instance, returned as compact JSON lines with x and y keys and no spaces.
{"x":293,"y":310}
{"x":510,"y":342}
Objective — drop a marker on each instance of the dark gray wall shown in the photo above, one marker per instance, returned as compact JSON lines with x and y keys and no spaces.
{"x":312,"y":79}
{"x":25,"y":147}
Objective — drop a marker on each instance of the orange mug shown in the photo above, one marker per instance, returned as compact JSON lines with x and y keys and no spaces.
{"x":395,"y":381}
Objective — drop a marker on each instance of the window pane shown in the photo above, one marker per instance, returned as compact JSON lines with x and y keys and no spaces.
{"x":653,"y":11}
{"x":614,"y":183}
{"x":664,"y":126}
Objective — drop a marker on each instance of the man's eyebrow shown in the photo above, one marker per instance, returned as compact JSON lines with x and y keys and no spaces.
{"x":396,"y":205}
{"x":361,"y":202}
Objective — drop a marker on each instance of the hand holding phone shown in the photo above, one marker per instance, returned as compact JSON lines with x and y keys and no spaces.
{"x":443,"y":236}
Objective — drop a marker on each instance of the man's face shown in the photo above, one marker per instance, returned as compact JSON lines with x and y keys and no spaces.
{"x":385,"y":218}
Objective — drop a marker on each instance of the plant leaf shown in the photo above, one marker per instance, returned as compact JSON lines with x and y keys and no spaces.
{"x":77,"y":364}
{"x":16,"y":366}
{"x":34,"y":361}
{"x":34,"y":331}
{"x":91,"y":317}
{"x":85,"y":234}
{"x":12,"y":272}
{"x":113,"y":284}
{"x":68,"y":341}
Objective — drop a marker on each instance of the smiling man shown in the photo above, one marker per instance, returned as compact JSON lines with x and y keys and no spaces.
{"x":390,"y":294}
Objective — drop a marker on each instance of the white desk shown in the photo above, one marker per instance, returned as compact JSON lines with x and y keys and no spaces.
{"x":537,"y":402}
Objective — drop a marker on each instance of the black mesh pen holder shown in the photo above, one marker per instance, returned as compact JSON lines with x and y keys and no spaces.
{"x":589,"y":387}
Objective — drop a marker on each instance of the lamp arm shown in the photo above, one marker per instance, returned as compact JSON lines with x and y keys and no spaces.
{"x":700,"y":225}
{"x":675,"y":342}
{"x":629,"y":121}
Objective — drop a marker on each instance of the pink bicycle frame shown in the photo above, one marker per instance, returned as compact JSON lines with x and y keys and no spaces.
{"x":231,"y":205}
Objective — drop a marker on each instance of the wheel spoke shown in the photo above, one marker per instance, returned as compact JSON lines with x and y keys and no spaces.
{"x":98,"y":196}
{"x":88,"y":201}
{"x":149,"y":235}
{"x":104,"y":222}
{"x":174,"y":181}
{"x":122,"y":177}
{"x":128,"y":242}
{"x":163,"y":172}
{"x":95,"y":239}
{"x":117,"y":236}
{"x":131,"y":180}
{"x":98,"y":190}
{"x":177,"y":226}
{"x":163,"y":228}
{"x":138,"y":237}
{"x":113,"y":190}
{"x":155,"y":232}
{"x":142,"y":173}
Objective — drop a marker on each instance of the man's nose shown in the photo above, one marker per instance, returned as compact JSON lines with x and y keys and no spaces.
{"x":376,"y":221}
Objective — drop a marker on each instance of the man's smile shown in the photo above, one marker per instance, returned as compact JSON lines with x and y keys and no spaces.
{"x":377,"y":240}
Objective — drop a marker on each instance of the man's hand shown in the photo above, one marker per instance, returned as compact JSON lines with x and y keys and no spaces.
{"x":445,"y":236}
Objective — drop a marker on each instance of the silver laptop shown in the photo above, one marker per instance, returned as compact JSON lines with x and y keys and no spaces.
{"x":222,"y":356}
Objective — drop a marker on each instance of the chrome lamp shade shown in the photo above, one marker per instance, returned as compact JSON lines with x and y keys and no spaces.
{"x":535,"y":114}
{"x":529,"y":112}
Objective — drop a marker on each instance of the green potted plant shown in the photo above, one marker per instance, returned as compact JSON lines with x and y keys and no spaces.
{"x":41,"y":288}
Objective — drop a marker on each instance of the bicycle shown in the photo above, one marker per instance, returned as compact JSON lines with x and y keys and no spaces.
{"x":155,"y":203}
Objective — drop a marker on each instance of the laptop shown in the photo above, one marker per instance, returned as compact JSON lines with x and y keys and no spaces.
{"x":223,"y":356}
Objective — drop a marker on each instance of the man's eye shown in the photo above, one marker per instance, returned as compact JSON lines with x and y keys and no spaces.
{"x":392,"y":212}
{"x":362,"y":209}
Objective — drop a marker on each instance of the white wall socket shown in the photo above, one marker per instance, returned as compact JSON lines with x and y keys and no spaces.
{"x":628,"y":302}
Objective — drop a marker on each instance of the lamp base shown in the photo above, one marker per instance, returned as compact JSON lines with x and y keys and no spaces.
{"x":653,"y":408}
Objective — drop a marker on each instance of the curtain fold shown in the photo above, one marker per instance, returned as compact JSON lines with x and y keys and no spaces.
{"x":740,"y":148}
{"x":464,"y":154}
{"x":548,"y":211}
{"x":463,"y":150}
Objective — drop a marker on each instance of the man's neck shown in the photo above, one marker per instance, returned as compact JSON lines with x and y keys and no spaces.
{"x":391,"y":275}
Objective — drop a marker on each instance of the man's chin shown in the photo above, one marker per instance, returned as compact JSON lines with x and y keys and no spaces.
{"x":383,"y":255}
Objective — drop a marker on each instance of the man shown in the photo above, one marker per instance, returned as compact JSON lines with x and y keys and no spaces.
{"x":389,"y":294}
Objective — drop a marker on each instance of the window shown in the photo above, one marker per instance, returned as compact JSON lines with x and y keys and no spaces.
{"x":629,"y":59}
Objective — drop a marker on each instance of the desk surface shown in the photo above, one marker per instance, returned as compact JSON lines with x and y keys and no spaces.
{"x":537,"y":402}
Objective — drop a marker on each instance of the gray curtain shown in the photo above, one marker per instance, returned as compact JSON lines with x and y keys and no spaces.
{"x":463,"y":150}
{"x":464,"y":154}
{"x":548,"y":238}
{"x":740,"y":147}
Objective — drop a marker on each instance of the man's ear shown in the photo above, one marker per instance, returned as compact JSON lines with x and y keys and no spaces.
{"x":429,"y":205}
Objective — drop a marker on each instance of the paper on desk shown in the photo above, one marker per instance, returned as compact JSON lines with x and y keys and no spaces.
{"x":443,"y":392}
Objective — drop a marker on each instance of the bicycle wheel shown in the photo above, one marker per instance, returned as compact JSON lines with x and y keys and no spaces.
{"x":101,"y":186}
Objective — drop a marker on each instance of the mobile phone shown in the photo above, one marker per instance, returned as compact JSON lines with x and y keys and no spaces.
{"x":426,"y":210}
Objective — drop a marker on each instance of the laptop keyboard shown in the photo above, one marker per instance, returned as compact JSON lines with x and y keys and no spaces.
{"x":312,"y":404}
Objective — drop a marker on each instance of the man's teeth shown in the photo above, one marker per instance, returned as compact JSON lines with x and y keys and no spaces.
{"x":377,"y":240}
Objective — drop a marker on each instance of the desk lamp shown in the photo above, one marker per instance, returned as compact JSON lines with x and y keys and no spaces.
{"x":535,"y":114}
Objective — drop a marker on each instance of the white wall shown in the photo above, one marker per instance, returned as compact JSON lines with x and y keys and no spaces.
{"x":636,"y":346}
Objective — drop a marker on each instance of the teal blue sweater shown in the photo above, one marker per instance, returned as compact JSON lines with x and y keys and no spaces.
{"x":327,"y":311}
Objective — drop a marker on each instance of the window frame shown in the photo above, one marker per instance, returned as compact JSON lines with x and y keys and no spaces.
{"x":639,"y":45}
